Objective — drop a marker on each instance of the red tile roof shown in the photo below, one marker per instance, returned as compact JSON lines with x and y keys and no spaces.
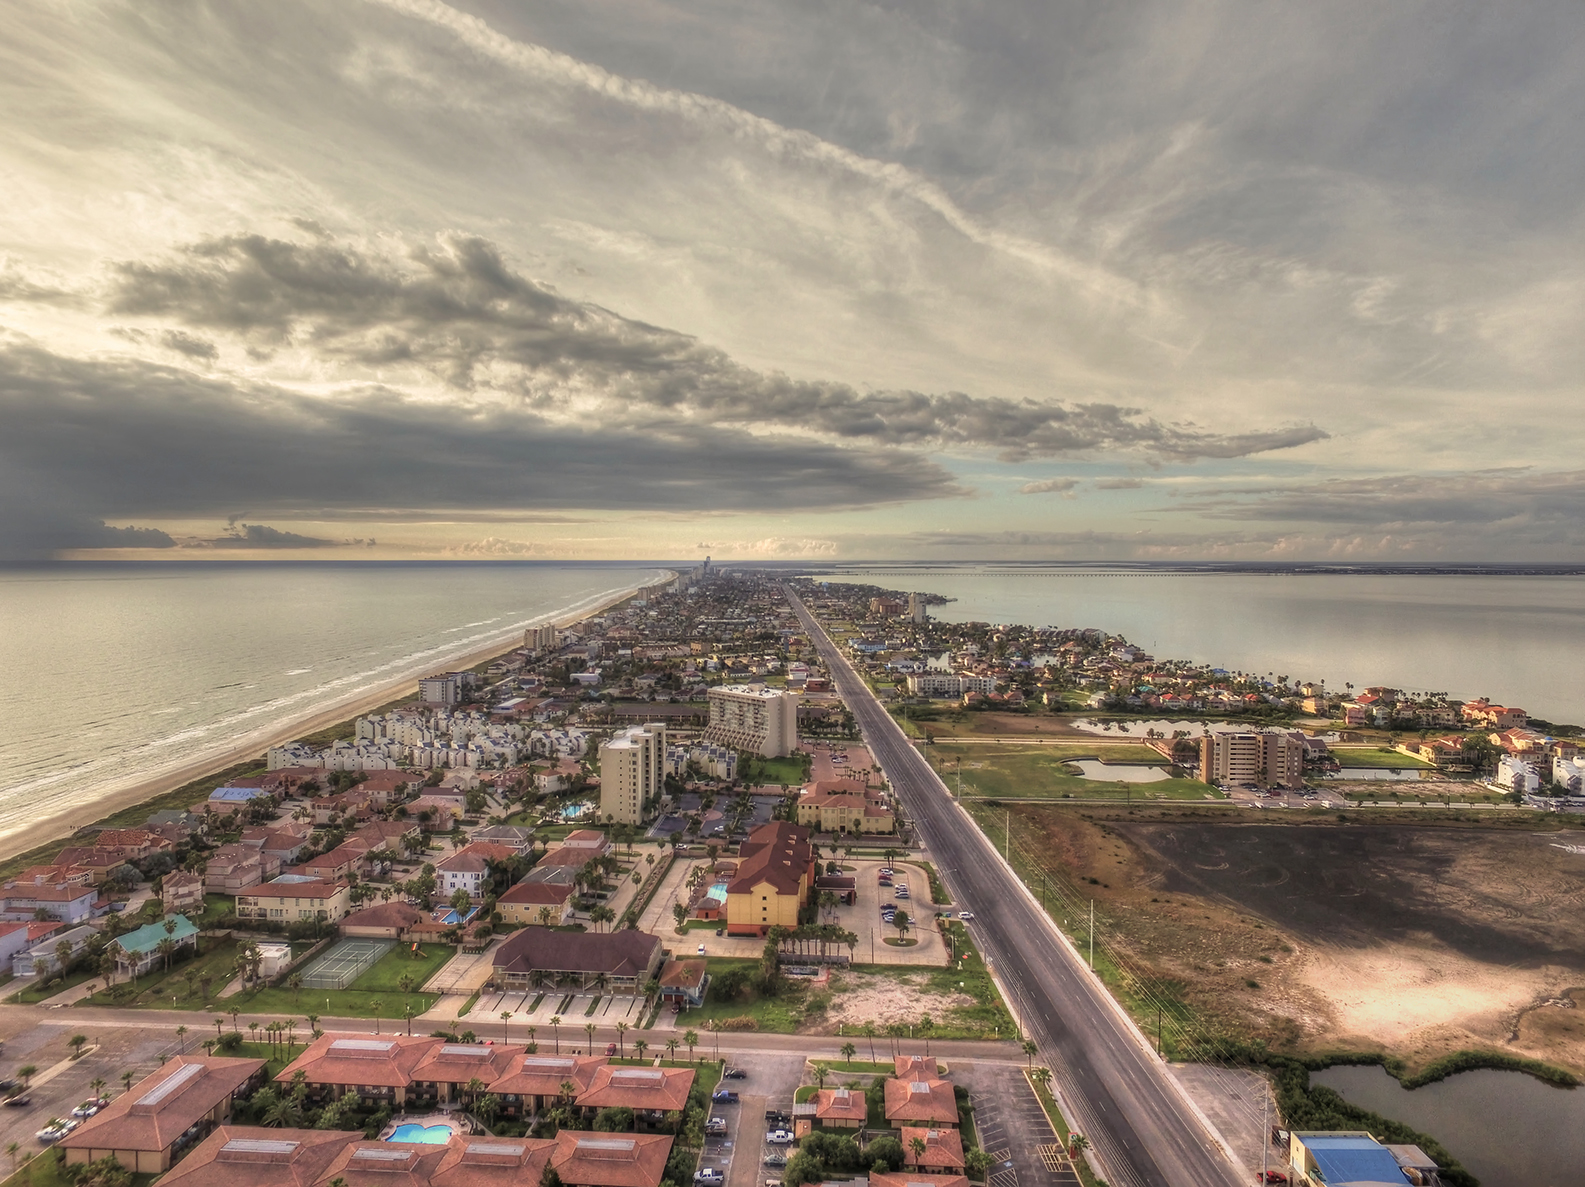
{"x":921,"y":1100}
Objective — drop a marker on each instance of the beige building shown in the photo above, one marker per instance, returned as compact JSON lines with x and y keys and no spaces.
{"x":755,"y":718}
{"x":841,"y":807}
{"x":1264,"y":758}
{"x":290,"y":902}
{"x":632,"y":773}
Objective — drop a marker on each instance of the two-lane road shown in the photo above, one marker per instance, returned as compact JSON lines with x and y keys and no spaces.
{"x":1136,"y":1119}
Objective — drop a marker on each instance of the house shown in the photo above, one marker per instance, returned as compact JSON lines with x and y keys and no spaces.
{"x":378,"y":1070}
{"x":148,"y":1127}
{"x":684,"y":983}
{"x":448,"y":1068}
{"x":134,"y":844}
{"x":182,"y":891}
{"x":930,"y":1101}
{"x":1498,"y":717}
{"x":228,"y":799}
{"x":837,"y":807}
{"x":1341,"y":1157}
{"x":943,"y":1149}
{"x":514,"y":837}
{"x":18,"y":937}
{"x":469,"y":868}
{"x":68,"y":903}
{"x":840,"y":1108}
{"x":345,"y":860}
{"x":442,"y":812}
{"x":916,"y":1067}
{"x":775,"y":874}
{"x":384,"y":921}
{"x":232,"y":869}
{"x":43,"y":959}
{"x":651,"y":1092}
{"x":528,"y":901}
{"x":291,"y":901}
{"x":245,"y":1156}
{"x":619,"y":961}
{"x":532,"y":1082}
{"x":284,"y":842}
{"x":579,"y":849}
{"x":97,"y":861}
{"x":138,"y":951}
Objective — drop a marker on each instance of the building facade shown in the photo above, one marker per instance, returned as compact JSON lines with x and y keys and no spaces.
{"x":755,"y":718}
{"x":1263,"y":758}
{"x":632,"y":773}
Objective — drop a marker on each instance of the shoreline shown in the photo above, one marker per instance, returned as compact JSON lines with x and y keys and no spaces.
{"x":66,"y":825}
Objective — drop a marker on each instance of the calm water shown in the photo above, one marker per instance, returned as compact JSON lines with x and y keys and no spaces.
{"x":115,"y":673}
{"x":1510,"y":1130}
{"x":1516,"y":639}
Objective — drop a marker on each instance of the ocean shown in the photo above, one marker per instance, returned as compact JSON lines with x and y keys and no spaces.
{"x":1517,"y":638}
{"x":117,"y":673}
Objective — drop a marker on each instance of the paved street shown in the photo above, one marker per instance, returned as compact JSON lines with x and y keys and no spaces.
{"x":1139,"y":1123}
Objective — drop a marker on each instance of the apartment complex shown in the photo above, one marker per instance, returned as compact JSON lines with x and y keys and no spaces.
{"x":753,"y":717}
{"x":632,"y":773}
{"x":1265,"y":758}
{"x":775,"y":875}
{"x":296,"y":900}
{"x":949,"y":684}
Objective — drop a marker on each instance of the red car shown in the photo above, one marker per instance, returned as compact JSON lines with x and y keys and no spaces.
{"x":610,"y":1048}
{"x":1276,"y":1177}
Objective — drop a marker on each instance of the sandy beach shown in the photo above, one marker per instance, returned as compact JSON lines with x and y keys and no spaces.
{"x":60,"y":827}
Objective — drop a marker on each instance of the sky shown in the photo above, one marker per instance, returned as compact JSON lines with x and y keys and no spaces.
{"x":617,"y":279}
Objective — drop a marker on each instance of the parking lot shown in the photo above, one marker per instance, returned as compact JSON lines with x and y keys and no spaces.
{"x":61,"y":1082}
{"x":768,"y":1083}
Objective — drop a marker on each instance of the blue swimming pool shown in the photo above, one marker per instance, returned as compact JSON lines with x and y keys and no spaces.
{"x":718,"y":891}
{"x":429,"y":1135}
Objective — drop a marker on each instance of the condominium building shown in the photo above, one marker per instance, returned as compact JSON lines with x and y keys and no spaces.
{"x":540,"y":638}
{"x":1264,"y":758}
{"x":949,"y":684}
{"x":755,"y":718}
{"x":632,"y":773}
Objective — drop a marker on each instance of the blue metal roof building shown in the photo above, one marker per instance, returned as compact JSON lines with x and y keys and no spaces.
{"x":1345,"y":1160}
{"x":236,"y":795}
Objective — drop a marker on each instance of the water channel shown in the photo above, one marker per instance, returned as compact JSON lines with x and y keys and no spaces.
{"x":1507,"y":1128}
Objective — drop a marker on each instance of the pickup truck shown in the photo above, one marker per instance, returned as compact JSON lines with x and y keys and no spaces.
{"x":724,"y":1096}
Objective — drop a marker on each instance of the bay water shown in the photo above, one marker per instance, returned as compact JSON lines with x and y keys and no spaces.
{"x":115,"y":673}
{"x":1516,"y":638}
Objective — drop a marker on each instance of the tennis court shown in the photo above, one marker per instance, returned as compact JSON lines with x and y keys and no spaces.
{"x":344,"y":962}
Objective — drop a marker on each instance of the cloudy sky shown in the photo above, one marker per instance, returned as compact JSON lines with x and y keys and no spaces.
{"x":635,"y":278}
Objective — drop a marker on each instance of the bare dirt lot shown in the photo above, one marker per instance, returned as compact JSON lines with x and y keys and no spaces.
{"x":1416,"y":939}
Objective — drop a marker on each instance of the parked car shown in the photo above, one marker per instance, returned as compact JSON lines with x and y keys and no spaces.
{"x":715,"y":1125}
{"x":725,"y":1096}
{"x":701,"y":949}
{"x":734,"y":1073}
{"x":720,"y":931}
{"x":610,"y":1048}
{"x":1276,"y":1177}
{"x":710,"y":1176}
{"x":779,"y":1137}
{"x":87,"y":1109}
{"x":56,"y":1130}
{"x":777,"y":1119}
{"x":775,"y":1158}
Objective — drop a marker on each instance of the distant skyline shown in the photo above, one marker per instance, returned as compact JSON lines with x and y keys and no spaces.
{"x":628,"y":278}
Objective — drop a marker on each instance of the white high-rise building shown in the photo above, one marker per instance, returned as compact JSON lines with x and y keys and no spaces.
{"x":632,"y":773}
{"x":917,"y":608}
{"x":755,"y":718}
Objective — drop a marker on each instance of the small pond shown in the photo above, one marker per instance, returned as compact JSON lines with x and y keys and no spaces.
{"x":1508,"y":1129}
{"x":1118,"y":772}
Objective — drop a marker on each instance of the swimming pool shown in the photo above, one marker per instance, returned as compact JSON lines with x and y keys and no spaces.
{"x":718,"y":891}
{"x":429,"y":1135}
{"x":573,"y":811}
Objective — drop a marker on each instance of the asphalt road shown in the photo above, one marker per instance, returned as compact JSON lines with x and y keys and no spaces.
{"x":1137,"y":1121}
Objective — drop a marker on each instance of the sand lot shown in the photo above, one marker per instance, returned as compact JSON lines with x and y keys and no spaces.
{"x":1414,"y":938}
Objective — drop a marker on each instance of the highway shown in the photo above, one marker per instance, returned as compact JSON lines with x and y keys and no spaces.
{"x":1138,"y":1122}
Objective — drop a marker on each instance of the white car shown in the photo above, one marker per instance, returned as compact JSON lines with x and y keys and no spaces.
{"x":967,"y":916}
{"x":701,"y":949}
{"x":713,"y":1178}
{"x":779,"y":1137}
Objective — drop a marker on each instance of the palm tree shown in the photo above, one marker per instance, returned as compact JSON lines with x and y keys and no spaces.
{"x":927,"y":1026}
{"x":848,"y":1052}
{"x":11,"y":1149}
{"x":313,"y":1023}
{"x":869,"y":1033}
{"x":253,"y":1031}
{"x":639,"y":1047}
{"x":295,"y":984}
{"x":76,"y":1043}
{"x":126,"y":1080}
{"x":555,"y":1025}
{"x":284,"y":1113}
{"x":1030,"y":1047}
{"x":691,"y":1039}
{"x":235,"y":1014}
{"x":821,"y":1071}
{"x":715,"y":1029}
{"x":621,"y":1039}
{"x":588,"y":1029}
{"x":374,"y":1004}
{"x":1077,"y":1143}
{"x":181,"y":1031}
{"x":917,"y":1147}
{"x":671,"y":1048}
{"x":506,"y":1016}
{"x":1042,"y":1077}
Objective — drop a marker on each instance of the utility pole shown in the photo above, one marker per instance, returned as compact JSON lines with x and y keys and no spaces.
{"x":1092,"y":935}
{"x":1007,"y":837}
{"x":1265,"y":1127}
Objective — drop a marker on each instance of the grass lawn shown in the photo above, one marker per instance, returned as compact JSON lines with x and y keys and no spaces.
{"x":938,"y":893}
{"x":37,"y":993}
{"x":379,"y":984}
{"x":156,"y":989}
{"x":778,"y":1015}
{"x":789,"y":770}
{"x":1034,"y":772}
{"x":859,"y":1067}
{"x":1373,"y":756}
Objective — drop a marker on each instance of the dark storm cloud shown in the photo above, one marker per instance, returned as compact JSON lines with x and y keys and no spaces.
{"x":258,"y":535}
{"x":111,"y":438}
{"x":459,"y":312}
{"x":1518,"y":498}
